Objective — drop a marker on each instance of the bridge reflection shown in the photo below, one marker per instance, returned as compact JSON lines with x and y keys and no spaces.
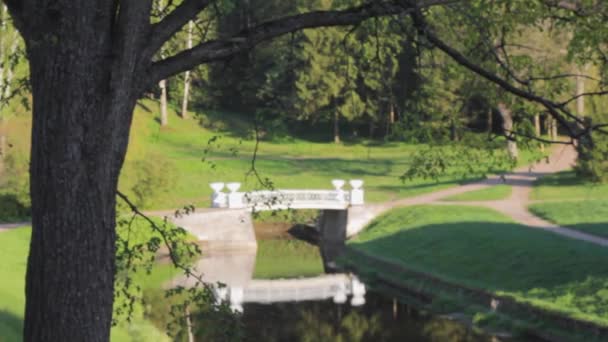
{"x":232,"y":273}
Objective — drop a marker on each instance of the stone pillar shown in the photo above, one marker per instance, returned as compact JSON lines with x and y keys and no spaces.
{"x":332,"y":228}
{"x":338,"y":184}
{"x":356,"y":194}
{"x":236,"y":298}
{"x":358,"y":289}
{"x":235,"y":199}
{"x":218,"y":198}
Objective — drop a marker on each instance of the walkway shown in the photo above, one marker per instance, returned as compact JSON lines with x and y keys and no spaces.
{"x":516,"y":206}
{"x":521,"y":179}
{"x":8,"y":226}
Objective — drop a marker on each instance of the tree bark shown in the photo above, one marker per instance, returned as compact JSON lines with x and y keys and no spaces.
{"x":537,"y":125}
{"x":83,"y":79}
{"x":336,"y":127}
{"x":507,"y":126}
{"x":75,"y":163}
{"x":187,"y":79}
{"x":164,"y":119}
{"x":580,"y":89}
{"x":3,"y":149}
{"x":490,"y":121}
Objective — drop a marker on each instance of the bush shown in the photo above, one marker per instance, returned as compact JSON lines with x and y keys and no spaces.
{"x":151,"y":177}
{"x":419,"y":132}
{"x":15,"y":200}
{"x":592,"y":161}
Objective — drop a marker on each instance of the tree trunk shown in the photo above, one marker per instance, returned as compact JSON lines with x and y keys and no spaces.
{"x":580,"y":89}
{"x":490,"y":121}
{"x":187,"y":79}
{"x":507,"y":126}
{"x":82,"y":108}
{"x":537,"y":125}
{"x":336,"y":127}
{"x":189,"y":326}
{"x":390,"y":121}
{"x":164,"y":120}
{"x":3,"y":149}
{"x":553,"y":129}
{"x":453,"y":130}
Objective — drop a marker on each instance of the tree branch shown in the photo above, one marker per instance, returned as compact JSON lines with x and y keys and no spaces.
{"x":553,"y":108}
{"x":173,"y":22}
{"x":592,"y":93}
{"x":215,"y":50}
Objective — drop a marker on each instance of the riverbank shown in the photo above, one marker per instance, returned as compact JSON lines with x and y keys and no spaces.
{"x":549,"y":278}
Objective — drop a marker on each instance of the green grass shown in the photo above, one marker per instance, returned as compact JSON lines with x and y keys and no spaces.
{"x":287,"y":259}
{"x":14,"y":245}
{"x":174,"y":156}
{"x":572,"y":202}
{"x":480,"y":248}
{"x":589,"y":216}
{"x":13,"y":253}
{"x":567,"y":186}
{"x":493,"y":193}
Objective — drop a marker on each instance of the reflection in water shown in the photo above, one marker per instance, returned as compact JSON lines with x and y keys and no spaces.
{"x":378,"y":320}
{"x":305,"y":309}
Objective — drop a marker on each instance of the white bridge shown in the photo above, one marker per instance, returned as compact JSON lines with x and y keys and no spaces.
{"x":335,"y":286}
{"x":337,"y":198}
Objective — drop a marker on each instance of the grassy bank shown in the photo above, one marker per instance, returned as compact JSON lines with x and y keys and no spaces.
{"x":14,"y":245}
{"x":493,"y":193}
{"x":482,"y":249}
{"x":287,"y":259}
{"x":169,"y":167}
{"x":571,"y":202}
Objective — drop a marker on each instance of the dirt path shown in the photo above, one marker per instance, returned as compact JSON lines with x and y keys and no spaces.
{"x":521,"y":179}
{"x":7,"y":226}
{"x":516,"y":206}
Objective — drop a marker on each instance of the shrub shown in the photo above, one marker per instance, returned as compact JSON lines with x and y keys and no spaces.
{"x":15,"y":200}
{"x":592,"y":161}
{"x":153,"y":177}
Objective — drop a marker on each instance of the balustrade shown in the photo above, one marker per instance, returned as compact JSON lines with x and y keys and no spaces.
{"x":283,"y":199}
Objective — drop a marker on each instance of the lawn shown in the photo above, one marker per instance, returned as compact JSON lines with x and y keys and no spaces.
{"x":571,"y":202}
{"x":567,"y":186}
{"x":287,"y":259}
{"x":493,"y":193}
{"x":480,"y":248}
{"x":589,"y":216}
{"x":14,"y":246}
{"x":169,"y":167}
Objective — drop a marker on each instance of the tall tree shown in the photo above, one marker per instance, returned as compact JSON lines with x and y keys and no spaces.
{"x":90,"y":61}
{"x":187,"y":79}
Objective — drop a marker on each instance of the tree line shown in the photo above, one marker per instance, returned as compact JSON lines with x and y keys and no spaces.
{"x":382,"y":79}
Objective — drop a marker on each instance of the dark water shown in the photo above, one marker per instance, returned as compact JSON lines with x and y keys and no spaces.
{"x":380,"y":319}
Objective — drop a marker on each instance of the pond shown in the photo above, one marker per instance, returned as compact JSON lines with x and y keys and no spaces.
{"x":282,"y":294}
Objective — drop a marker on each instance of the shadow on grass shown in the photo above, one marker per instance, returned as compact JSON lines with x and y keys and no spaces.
{"x":567,"y":178}
{"x":11,"y":327}
{"x":501,"y":257}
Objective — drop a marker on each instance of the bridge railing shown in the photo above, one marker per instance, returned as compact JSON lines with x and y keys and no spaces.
{"x":285,"y":199}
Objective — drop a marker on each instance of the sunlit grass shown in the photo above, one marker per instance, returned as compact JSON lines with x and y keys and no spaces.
{"x":567,"y":186}
{"x":493,"y":193}
{"x":287,"y":259}
{"x":480,"y":248}
{"x":14,"y":246}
